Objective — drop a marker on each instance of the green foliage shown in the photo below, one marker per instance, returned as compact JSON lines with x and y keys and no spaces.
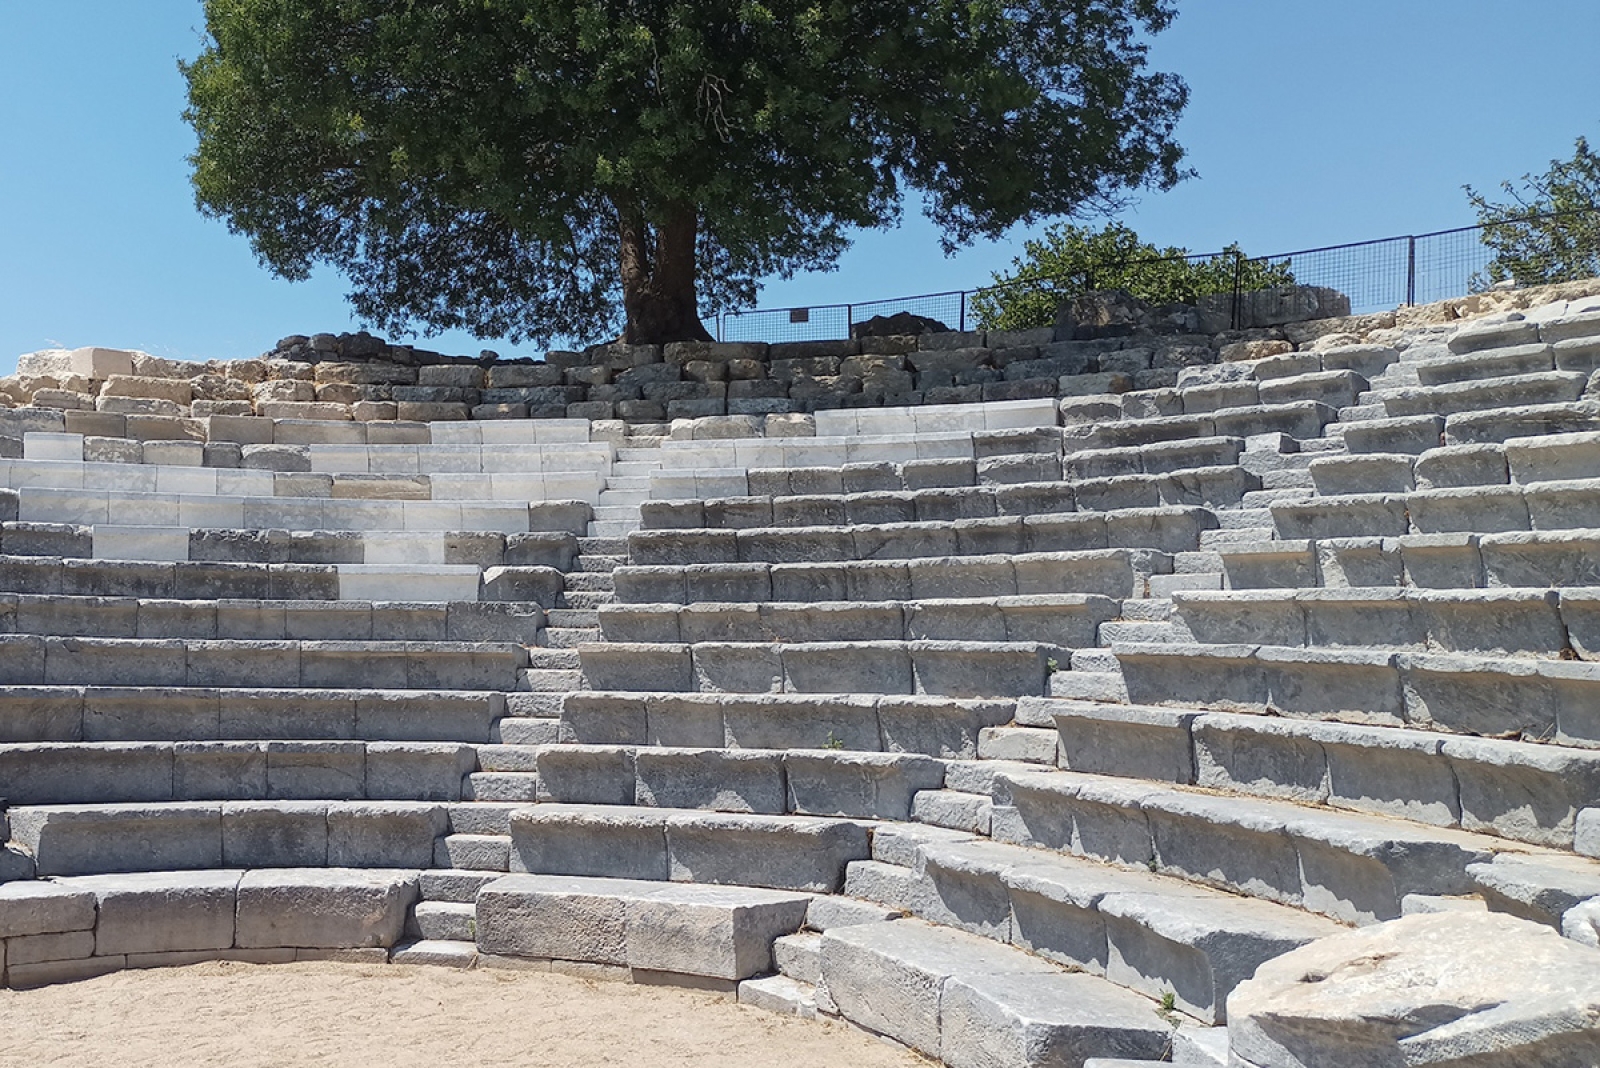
{"x":1549,"y":229}
{"x":486,"y":164}
{"x":833,"y":742}
{"x":1071,"y":259}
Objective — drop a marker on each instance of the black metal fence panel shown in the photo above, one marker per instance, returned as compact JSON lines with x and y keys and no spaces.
{"x":1376,"y":276}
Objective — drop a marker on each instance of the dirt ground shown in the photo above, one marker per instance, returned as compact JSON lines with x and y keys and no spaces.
{"x":360,"y":1016}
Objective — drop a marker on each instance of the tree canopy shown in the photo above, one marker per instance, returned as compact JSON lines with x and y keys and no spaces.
{"x":1548,"y":230}
{"x":542,"y":168}
{"x":1070,"y":259}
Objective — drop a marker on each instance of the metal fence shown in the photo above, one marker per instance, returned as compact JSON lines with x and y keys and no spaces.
{"x":1375,"y":275}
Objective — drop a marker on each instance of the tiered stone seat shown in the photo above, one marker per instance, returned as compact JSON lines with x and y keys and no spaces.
{"x":1022,"y":733}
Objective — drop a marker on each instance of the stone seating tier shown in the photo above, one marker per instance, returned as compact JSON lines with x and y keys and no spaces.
{"x":1562,"y":558}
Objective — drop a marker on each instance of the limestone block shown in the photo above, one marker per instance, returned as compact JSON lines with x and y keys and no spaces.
{"x":92,"y":839}
{"x":275,"y":834}
{"x":378,"y":834}
{"x":163,"y":912}
{"x":593,"y":775}
{"x":782,"y":852}
{"x":323,"y":908}
{"x":31,"y":908}
{"x":848,"y":667}
{"x":717,"y":780}
{"x":1365,"y":1010}
{"x":602,"y":841}
{"x":891,"y":977}
{"x":864,"y":785}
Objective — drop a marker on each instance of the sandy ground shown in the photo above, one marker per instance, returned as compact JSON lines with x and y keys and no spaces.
{"x":359,"y":1016}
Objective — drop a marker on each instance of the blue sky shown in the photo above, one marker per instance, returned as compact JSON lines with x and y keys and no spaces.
{"x":1310,"y":124}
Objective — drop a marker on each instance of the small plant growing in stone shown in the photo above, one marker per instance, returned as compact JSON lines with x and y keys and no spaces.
{"x":1052,"y":665}
{"x":833,"y":742}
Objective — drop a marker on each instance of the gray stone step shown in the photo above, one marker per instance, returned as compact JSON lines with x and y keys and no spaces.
{"x":1065,"y":620}
{"x":436,"y":953}
{"x":1521,"y":791}
{"x":570,"y":637}
{"x":473,"y":853}
{"x":602,"y":546}
{"x":153,"y":837}
{"x":720,"y":933}
{"x":233,"y":619}
{"x":1544,"y":700}
{"x":446,"y":920}
{"x":803,"y":853}
{"x":549,"y":680}
{"x":1152,"y":933}
{"x":587,"y":598}
{"x":996,"y":571}
{"x":1353,"y":867}
{"x":31,"y":660}
{"x":779,"y":994}
{"x":566,"y":618}
{"x":963,"y":999}
{"x":515,"y":730}
{"x":132,"y":714}
{"x":553,"y":658}
{"x":935,"y":726}
{"x":501,"y":786}
{"x":951,"y":669}
{"x":600,"y":564}
{"x":814,"y":782}
{"x":588,"y":581}
{"x":56,"y":773}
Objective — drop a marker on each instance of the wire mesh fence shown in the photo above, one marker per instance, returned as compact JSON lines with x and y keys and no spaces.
{"x":1375,"y":275}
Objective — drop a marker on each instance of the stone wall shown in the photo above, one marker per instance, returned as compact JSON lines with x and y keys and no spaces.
{"x":363,"y":378}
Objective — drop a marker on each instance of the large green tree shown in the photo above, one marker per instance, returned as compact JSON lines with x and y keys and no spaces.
{"x":1548,"y":228}
{"x":540,"y":168}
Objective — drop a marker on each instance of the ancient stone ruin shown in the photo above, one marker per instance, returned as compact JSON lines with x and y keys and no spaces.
{"x":1139,"y":690}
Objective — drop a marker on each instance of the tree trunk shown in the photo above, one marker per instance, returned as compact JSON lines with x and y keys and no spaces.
{"x":658,"y":279}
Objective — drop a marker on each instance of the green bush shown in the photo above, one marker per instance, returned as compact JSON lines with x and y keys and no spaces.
{"x":1071,"y":259}
{"x":1549,"y":230}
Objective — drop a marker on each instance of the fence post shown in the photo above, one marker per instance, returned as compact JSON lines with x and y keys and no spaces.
{"x":1411,"y":270}
{"x":963,"y":325}
{"x":849,"y":321}
{"x":1238,"y":288}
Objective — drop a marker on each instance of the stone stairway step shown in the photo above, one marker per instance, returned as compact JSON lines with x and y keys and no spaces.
{"x":437,"y":953}
{"x":604,"y":564}
{"x":588,"y":581}
{"x":475,"y":853}
{"x":1079,"y":685}
{"x":570,"y":637}
{"x":549,"y":681}
{"x":965,"y":1000}
{"x":630,"y":482}
{"x":459,"y":887}
{"x":501,"y":786}
{"x":587,"y":598}
{"x":446,"y":920}
{"x":799,"y":956}
{"x":804,"y":853}
{"x":566,"y":618}
{"x":553,"y":658}
{"x":525,"y":731}
{"x":779,"y":994}
{"x":507,"y":757}
{"x":1137,"y":631}
{"x":612,"y":529}
{"x":602,"y":546}
{"x":635,"y":469}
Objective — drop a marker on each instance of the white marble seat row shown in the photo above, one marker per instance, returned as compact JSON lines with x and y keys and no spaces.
{"x":140,"y":570}
{"x":447,"y":460}
{"x":34,"y":660}
{"x":1114,"y":573}
{"x":77,"y":928}
{"x":1211,"y":487}
{"x":1164,"y":529}
{"x":200,"y":835}
{"x":131,"y":508}
{"x":1500,"y":622}
{"x":1069,"y":621}
{"x":182,"y":713}
{"x":938,"y":418}
{"x":1555,"y":700}
{"x":80,"y":773}
{"x":1522,"y":461}
{"x":1301,"y":420}
{"x":268,"y":620}
{"x":941,"y":668}
{"x":1567,"y":558}
{"x":1527,"y":792}
{"x":944,"y":727}
{"x":1564,"y":504}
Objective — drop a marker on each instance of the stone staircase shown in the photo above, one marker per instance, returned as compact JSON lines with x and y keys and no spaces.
{"x":1021,"y":733}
